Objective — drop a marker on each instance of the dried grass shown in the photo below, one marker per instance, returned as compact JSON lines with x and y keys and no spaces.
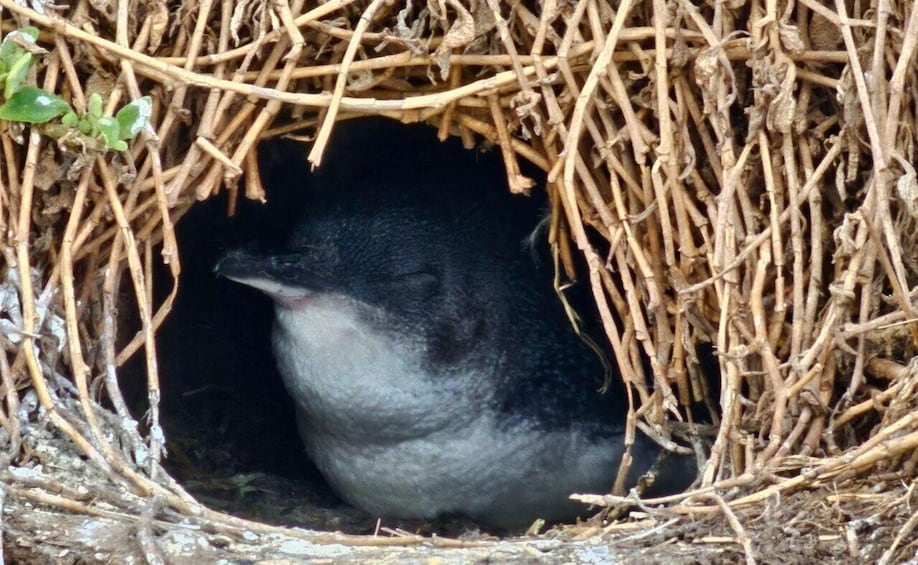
{"x":749,"y":166}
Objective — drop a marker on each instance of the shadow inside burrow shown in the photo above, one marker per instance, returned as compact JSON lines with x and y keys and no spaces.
{"x":229,"y":422}
{"x":231,"y":433}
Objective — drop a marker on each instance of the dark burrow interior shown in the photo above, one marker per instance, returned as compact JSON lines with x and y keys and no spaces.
{"x":229,"y":423}
{"x":231,"y":434}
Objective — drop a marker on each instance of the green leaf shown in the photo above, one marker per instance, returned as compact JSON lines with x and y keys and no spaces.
{"x":95,"y":105}
{"x":33,"y":106}
{"x":134,"y":117}
{"x":9,"y":50}
{"x":17,"y":74}
{"x":70,"y":119}
{"x":110,"y":129}
{"x":85,"y":125}
{"x":55,"y":130}
{"x":28,"y":33}
{"x":31,"y":32}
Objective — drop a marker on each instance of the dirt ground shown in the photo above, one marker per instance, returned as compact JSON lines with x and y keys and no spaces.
{"x":60,"y":509}
{"x":40,"y":533}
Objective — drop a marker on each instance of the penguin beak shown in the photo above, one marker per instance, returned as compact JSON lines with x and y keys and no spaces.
{"x":284,"y":277}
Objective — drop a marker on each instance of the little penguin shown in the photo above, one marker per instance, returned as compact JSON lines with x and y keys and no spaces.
{"x":432,"y":366}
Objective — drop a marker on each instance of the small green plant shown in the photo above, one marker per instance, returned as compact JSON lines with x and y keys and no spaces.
{"x":31,"y":105}
{"x":16,"y":59}
{"x":115,"y":131}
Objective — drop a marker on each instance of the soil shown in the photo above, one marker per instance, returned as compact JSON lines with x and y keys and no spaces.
{"x":59,"y":508}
